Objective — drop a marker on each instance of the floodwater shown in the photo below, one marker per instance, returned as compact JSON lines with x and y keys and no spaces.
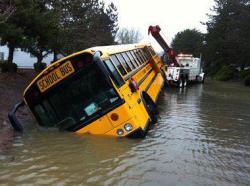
{"x":202,"y":138}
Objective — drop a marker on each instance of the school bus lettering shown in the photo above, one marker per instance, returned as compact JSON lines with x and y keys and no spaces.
{"x":65,"y":69}
{"x":55,"y":76}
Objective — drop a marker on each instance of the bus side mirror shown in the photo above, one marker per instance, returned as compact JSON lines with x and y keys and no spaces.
{"x":133,"y":85}
{"x":13,"y":119}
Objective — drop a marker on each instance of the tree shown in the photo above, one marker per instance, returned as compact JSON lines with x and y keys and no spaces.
{"x":228,"y":37}
{"x":128,"y":36}
{"x":188,"y":42}
{"x":41,"y":36}
{"x":41,"y":27}
{"x":6,"y":10}
{"x":11,"y":29}
{"x":88,"y":23}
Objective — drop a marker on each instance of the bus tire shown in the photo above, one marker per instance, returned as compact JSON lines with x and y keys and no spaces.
{"x":150,"y":107}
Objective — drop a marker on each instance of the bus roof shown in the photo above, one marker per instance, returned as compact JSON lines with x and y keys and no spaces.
{"x":112,"y":49}
{"x":106,"y":50}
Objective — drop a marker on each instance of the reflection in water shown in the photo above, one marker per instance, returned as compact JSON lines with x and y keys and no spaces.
{"x":202,"y":138}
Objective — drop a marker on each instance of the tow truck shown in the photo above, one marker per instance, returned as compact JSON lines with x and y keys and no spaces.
{"x":180,"y":69}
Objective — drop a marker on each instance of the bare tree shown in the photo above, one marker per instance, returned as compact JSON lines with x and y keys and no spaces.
{"x":128,"y":36}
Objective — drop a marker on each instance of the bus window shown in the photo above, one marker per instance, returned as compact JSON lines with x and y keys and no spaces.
{"x":118,"y":65}
{"x":114,"y":73}
{"x":139,"y":57}
{"x":132,"y":59}
{"x":146,"y":52}
{"x":134,"y":56}
{"x":123,"y":62}
{"x":142,"y":55}
{"x":127,"y":59}
{"x":46,"y":113}
{"x":152,"y":51}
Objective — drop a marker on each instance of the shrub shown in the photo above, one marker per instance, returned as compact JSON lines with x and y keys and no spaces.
{"x":8,"y":67}
{"x":226,"y":73}
{"x":247,"y":80}
{"x":245,"y":73}
{"x":39,"y":66}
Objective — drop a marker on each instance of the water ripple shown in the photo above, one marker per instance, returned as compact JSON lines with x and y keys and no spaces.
{"x":202,"y":137}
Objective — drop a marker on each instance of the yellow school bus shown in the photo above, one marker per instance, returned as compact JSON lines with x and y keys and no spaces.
{"x":109,"y":90}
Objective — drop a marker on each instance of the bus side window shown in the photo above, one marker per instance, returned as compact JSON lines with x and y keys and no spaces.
{"x":134,"y":56}
{"x":143,"y":55}
{"x":118,"y":65}
{"x":114,"y":73}
{"x":132,"y":59}
{"x":139,"y":57}
{"x":152,"y":51}
{"x":123,"y":62}
{"x":146,"y":52}
{"x":128,"y":61}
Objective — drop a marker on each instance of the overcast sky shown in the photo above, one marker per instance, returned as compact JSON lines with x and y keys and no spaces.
{"x":172,"y":15}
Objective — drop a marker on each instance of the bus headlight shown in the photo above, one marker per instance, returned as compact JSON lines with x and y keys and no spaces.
{"x":128,"y":127}
{"x":120,"y":132}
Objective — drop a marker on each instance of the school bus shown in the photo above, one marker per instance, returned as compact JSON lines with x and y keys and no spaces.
{"x":110,"y":90}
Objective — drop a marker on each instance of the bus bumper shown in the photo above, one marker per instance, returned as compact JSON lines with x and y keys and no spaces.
{"x":137,"y":131}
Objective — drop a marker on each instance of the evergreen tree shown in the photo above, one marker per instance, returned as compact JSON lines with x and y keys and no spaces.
{"x":12,"y":29}
{"x":228,"y":37}
{"x":41,"y":27}
{"x":6,"y":10}
{"x":41,"y":31}
{"x":188,"y":42}
{"x":88,"y":23}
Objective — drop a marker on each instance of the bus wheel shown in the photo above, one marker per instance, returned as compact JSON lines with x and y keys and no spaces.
{"x":150,"y":106}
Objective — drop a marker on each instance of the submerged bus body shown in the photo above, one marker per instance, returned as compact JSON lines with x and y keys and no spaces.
{"x":108,"y":90}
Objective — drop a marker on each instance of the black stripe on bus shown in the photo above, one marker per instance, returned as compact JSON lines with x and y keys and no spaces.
{"x":151,"y":82}
{"x":134,"y":72}
{"x":145,"y":77}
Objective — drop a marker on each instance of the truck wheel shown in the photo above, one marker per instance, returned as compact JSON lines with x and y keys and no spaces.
{"x":199,"y":79}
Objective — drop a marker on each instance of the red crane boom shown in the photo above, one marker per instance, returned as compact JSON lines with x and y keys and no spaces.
{"x":155,"y":32}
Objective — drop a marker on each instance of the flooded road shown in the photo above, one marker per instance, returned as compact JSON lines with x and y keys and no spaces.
{"x":202,"y":138}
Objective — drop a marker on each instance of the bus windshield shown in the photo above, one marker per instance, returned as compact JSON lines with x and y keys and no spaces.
{"x":79,"y":99}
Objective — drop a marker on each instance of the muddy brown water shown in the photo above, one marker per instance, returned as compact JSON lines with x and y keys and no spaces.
{"x":202,"y":138}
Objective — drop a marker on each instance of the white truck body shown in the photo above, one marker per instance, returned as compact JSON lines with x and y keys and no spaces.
{"x":190,"y":70}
